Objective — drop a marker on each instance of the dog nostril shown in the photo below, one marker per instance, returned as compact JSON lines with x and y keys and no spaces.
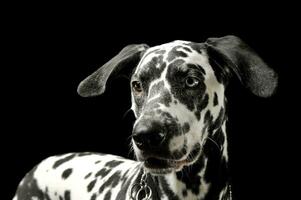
{"x":139,"y":135}
{"x":138,"y":140}
{"x":156,"y":139}
{"x":146,"y":138}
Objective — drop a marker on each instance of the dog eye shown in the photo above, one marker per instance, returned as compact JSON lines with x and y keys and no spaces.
{"x":136,"y":85}
{"x":191,"y":82}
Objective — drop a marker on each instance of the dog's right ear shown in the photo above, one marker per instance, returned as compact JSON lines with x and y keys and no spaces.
{"x":236,"y":56}
{"x":95,"y":84}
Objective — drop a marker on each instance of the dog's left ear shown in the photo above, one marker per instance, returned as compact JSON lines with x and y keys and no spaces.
{"x":95,"y":84}
{"x":245,"y":63}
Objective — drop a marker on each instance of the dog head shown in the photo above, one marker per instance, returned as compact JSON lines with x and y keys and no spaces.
{"x":178,"y":94}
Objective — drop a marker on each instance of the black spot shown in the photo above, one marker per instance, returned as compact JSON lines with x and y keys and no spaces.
{"x":96,"y":162}
{"x":151,"y":109}
{"x":93,"y":197}
{"x":184,"y":192}
{"x":67,"y":195}
{"x":191,"y":179}
{"x":167,"y":115}
{"x":84,"y":154}
{"x":166,"y":98}
{"x":62,"y":161}
{"x":187,"y":49}
{"x":123,"y":192}
{"x":201,"y":105}
{"x":124,"y":176}
{"x":170,"y":125}
{"x":125,"y":185}
{"x":218,"y":122}
{"x":208,"y":118}
{"x":151,"y":70}
{"x":178,"y":154}
{"x":46,"y":194}
{"x":159,"y":111}
{"x":214,"y":125}
{"x":66,"y":173}
{"x":29,"y":188}
{"x":91,"y":185}
{"x":174,"y":53}
{"x":160,"y":52}
{"x":88,"y":175}
{"x":215,"y":99}
{"x":113,"y":163}
{"x":198,"y":115}
{"x":61,"y":198}
{"x":108,"y":195}
{"x":176,"y":102}
{"x":111,"y":182}
{"x":186,"y":127}
{"x":103,"y":172}
{"x":167,"y":190}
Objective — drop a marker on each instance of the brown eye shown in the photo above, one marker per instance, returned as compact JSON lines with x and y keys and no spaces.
{"x":136,"y":85}
{"x":192,"y":82}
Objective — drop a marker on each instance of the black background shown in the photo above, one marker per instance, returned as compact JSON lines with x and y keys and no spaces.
{"x":50,"y":48}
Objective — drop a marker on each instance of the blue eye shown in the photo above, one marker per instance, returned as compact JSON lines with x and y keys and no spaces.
{"x":192,"y":82}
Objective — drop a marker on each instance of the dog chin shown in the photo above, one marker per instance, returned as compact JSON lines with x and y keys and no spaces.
{"x":159,"y":167}
{"x":162,"y":166}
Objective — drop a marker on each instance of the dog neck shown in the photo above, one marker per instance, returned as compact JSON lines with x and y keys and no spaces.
{"x":207,"y":178}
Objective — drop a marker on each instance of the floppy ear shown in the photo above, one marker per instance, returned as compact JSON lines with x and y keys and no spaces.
{"x":245,"y":63}
{"x":95,"y":84}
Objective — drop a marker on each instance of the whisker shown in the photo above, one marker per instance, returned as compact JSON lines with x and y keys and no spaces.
{"x":131,"y":148}
{"x":214,"y":142}
{"x":126,"y":113}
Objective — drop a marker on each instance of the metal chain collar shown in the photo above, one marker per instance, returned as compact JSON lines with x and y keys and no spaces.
{"x":141,"y":191}
{"x":230,"y":191}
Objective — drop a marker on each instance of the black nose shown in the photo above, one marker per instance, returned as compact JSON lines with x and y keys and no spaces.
{"x":147,"y":137}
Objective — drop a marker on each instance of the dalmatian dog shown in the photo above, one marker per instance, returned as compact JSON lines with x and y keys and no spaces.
{"x":179,"y":136}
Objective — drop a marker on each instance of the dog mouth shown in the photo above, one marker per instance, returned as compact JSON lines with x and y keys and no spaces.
{"x":161,"y":166}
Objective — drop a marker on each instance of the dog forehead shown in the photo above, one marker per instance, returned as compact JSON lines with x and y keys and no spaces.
{"x":162,"y":55}
{"x":167,"y":47}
